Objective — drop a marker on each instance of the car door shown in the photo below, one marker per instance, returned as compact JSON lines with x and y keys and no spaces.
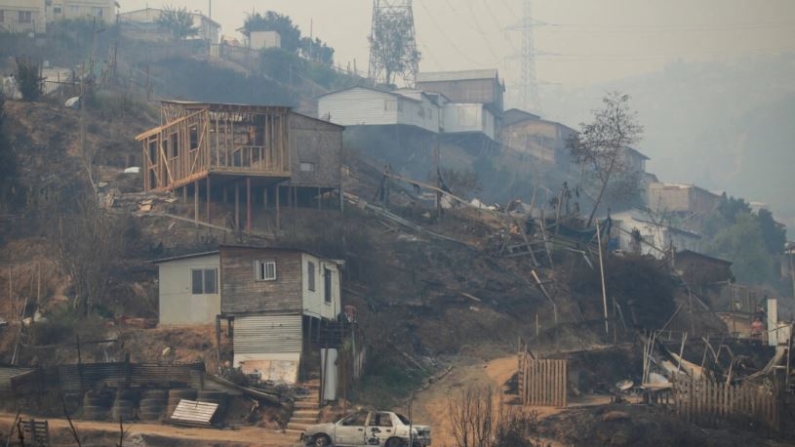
{"x":350,"y":430}
{"x":379,"y":428}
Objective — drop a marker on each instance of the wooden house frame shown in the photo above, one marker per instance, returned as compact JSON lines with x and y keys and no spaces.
{"x":203,"y":146}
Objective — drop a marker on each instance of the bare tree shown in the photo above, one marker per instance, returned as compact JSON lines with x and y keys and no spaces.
{"x":390,"y":43}
{"x":477,"y":423}
{"x":472,"y":417}
{"x":88,"y":241}
{"x":603,"y":145}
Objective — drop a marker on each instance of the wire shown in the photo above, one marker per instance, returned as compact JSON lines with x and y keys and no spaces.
{"x":450,"y":41}
{"x":584,"y":27}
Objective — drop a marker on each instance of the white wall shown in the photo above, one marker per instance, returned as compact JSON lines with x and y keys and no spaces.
{"x":314,"y":304}
{"x":362,"y":106}
{"x":659,"y":236}
{"x":461,"y":118}
{"x":177,"y":304}
{"x":265,"y":39}
{"x":359,"y":106}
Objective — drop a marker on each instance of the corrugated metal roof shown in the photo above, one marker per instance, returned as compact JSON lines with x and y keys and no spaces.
{"x":194,"y":412}
{"x":465,"y":75}
{"x":268,"y":334}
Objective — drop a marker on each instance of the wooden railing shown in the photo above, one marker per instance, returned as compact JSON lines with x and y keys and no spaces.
{"x":713,"y":404}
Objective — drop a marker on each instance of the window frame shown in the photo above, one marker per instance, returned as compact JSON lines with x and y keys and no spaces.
{"x":327,"y":283}
{"x":25,"y":17}
{"x":203,"y":284}
{"x":261,"y":270}
{"x":310,"y":276}
{"x":2,"y":15}
{"x":312,"y":167}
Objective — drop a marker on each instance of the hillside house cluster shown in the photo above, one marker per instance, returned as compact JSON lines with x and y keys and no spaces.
{"x":261,"y":155}
{"x":274,"y":297}
{"x":32,"y":16}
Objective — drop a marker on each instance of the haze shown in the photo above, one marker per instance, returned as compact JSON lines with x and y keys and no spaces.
{"x":586,"y":47}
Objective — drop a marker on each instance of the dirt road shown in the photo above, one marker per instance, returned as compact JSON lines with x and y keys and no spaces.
{"x":59,"y":428}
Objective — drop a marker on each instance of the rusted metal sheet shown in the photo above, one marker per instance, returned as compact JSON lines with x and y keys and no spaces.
{"x":268,"y":334}
{"x":193,"y":412}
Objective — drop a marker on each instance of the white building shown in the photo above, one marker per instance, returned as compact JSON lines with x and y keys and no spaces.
{"x":657,"y":238}
{"x":366,"y":106}
{"x":469,"y":118}
{"x":259,"y":40}
{"x":188,"y":289}
{"x":23,"y":16}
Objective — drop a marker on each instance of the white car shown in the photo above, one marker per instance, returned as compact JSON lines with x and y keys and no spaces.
{"x":368,"y":428}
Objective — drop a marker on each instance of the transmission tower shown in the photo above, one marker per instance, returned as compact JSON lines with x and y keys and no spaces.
{"x":527,"y":83}
{"x":393,"y":12}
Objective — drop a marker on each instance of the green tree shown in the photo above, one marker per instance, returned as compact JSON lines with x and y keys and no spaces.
{"x":601,"y":149}
{"x":178,"y":21}
{"x":390,"y":45}
{"x":316,"y":50}
{"x":273,"y":21}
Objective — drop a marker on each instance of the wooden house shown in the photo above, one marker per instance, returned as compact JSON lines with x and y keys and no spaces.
{"x":526,"y":133}
{"x":276,"y":296}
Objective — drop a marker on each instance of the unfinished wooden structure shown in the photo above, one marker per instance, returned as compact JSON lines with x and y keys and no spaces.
{"x":257,"y":154}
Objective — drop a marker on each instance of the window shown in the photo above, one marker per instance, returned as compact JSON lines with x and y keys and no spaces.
{"x":266,"y":270}
{"x":2,"y":16}
{"x":310,"y":275}
{"x":326,"y":285}
{"x":99,"y":12}
{"x":25,"y":17}
{"x":204,"y":281}
{"x":356,"y":419}
{"x":381,"y":420}
{"x":307,"y":167}
{"x":56,"y":10}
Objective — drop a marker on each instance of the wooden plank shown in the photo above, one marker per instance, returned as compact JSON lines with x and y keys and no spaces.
{"x":194,"y":412}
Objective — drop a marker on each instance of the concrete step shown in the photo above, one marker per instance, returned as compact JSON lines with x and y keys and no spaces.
{"x":304,"y":413}
{"x":306,"y":404}
{"x":298,"y":426}
{"x":304,"y":420}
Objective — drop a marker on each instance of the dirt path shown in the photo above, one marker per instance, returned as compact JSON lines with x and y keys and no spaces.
{"x":432,"y":405}
{"x":197,"y":436}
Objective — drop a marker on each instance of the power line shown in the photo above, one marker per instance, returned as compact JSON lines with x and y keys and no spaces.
{"x":447,"y":38}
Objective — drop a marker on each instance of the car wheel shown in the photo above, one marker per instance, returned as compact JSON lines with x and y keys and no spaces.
{"x":395,"y":442}
{"x":321,"y":441}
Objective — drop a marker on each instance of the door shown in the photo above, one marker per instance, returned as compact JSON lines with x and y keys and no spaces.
{"x":350,"y":431}
{"x":379,"y":428}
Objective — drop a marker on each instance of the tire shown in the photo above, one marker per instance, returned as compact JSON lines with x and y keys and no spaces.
{"x":321,"y":440}
{"x":395,"y":442}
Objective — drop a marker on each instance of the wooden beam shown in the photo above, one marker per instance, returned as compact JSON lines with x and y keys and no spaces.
{"x":248,"y":205}
{"x":237,"y":206}
{"x":196,"y":200}
{"x":209,"y":201}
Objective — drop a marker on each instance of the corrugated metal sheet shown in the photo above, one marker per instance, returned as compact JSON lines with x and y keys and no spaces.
{"x":443,"y":76}
{"x":268,"y":334}
{"x":9,"y":372}
{"x":116,"y":374}
{"x":193,"y":412}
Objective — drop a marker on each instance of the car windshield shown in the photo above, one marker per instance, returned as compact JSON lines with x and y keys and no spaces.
{"x":403,"y":419}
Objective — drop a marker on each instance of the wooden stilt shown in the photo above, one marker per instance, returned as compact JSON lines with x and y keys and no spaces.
{"x":248,"y":205}
{"x":209,"y":203}
{"x":319,"y":199}
{"x":196,"y":200}
{"x":237,"y":206}
{"x":278,"y":210}
{"x":185,"y":194}
{"x":265,"y":197}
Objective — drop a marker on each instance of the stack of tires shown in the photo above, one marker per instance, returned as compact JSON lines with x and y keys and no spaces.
{"x":215,"y":397}
{"x":176,"y":395}
{"x":96,"y":405}
{"x":124,"y":405}
{"x":152,"y":405}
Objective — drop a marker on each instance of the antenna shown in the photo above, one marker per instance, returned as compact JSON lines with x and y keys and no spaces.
{"x":396,"y":17}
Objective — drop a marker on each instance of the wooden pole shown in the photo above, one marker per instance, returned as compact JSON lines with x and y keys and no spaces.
{"x":278,"y":209}
{"x":196,"y":201}
{"x":248,"y":205}
{"x":237,"y":206}
{"x":602,"y":273}
{"x":209,"y":202}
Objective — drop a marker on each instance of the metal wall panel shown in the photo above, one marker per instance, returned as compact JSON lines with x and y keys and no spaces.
{"x":268,"y":334}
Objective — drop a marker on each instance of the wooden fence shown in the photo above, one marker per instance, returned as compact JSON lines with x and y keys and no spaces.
{"x":708,"y":403}
{"x":542,"y":382}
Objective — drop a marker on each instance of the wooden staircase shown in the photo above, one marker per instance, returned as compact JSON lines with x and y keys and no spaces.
{"x":306,"y":409}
